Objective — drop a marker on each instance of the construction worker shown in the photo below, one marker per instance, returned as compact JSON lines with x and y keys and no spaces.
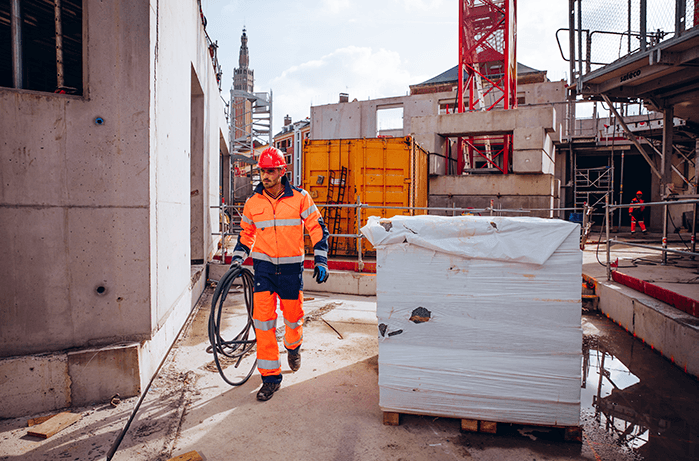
{"x":272,"y":234}
{"x":636,"y":213}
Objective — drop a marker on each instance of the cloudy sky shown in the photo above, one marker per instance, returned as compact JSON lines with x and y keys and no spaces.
{"x":308,"y":52}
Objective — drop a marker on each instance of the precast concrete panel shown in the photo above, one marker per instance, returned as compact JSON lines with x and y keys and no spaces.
{"x":108,"y":289}
{"x":35,"y":309}
{"x":39,"y":383}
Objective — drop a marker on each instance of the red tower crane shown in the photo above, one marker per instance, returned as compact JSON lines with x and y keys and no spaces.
{"x":487,"y":55}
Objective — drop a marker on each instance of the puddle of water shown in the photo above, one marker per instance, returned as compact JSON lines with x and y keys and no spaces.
{"x":636,"y":399}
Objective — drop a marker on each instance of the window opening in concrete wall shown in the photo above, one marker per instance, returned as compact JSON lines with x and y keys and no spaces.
{"x":389,"y":121}
{"x":41,"y":46}
{"x":196,"y":156}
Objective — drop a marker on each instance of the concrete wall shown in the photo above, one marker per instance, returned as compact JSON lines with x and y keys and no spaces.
{"x":97,"y":218}
{"x":507,"y":192}
{"x":75,"y":197}
{"x":357,"y":119}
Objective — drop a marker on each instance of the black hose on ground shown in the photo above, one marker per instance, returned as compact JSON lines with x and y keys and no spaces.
{"x":240,"y":346}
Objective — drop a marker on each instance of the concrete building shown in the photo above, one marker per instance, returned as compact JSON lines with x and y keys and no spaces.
{"x":108,"y":179}
{"x":290,"y":141}
{"x":558,"y":160}
{"x":428,"y":114}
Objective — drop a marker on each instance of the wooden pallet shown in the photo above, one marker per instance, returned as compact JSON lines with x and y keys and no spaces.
{"x":571,"y":433}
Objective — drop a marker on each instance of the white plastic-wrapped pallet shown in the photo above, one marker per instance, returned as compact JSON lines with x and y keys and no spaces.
{"x":479,"y":317}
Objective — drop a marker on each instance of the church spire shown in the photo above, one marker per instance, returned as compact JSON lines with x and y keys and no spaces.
{"x":243,"y":58}
{"x":243,"y":76}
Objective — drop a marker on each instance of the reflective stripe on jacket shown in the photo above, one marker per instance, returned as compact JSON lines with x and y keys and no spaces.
{"x":272,"y":229}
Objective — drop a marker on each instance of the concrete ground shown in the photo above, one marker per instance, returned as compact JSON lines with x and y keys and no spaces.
{"x":634,"y":403}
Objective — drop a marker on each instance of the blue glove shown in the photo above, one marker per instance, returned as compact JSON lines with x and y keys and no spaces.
{"x":236,"y":261}
{"x":320,"y":273}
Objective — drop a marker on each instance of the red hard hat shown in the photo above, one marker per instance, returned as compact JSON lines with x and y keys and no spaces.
{"x":271,"y":158}
{"x":639,"y":193}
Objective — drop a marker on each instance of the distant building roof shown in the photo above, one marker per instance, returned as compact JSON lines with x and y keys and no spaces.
{"x":451,"y":75}
{"x":294,"y":126}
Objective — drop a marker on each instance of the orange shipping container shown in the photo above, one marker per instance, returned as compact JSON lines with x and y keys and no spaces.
{"x":380,"y":172}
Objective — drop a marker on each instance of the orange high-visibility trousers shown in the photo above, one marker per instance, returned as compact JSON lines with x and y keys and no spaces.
{"x":265,"y":319}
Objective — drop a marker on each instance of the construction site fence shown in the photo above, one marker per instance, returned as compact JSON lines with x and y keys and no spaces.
{"x":663,"y":249}
{"x":226,"y":218}
{"x":607,"y":30}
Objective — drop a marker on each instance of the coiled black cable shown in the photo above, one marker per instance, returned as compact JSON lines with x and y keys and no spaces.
{"x":239,"y":346}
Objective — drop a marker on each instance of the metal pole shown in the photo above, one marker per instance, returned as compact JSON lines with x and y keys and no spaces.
{"x":642,"y":21}
{"x":694,"y":229}
{"x":606,"y":220}
{"x":16,"y":28}
{"x":571,"y":42}
{"x":621,"y":187}
{"x":665,"y":209}
{"x":60,"y":82}
{"x":224,"y":231}
{"x":579,"y":86}
{"x":681,"y":7}
{"x":628,"y":11}
{"x":585,"y":219}
{"x":360,"y":262}
{"x":696,"y":189}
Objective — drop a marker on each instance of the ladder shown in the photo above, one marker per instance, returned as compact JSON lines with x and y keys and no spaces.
{"x":332,"y":214}
{"x":591,"y":185}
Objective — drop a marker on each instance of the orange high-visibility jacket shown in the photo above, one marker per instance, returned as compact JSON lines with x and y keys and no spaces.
{"x":273,"y":229}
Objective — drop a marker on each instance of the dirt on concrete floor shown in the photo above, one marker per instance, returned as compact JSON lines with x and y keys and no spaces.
{"x":329,"y":409}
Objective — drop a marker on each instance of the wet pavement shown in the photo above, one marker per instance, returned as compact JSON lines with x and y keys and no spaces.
{"x":635,"y":405}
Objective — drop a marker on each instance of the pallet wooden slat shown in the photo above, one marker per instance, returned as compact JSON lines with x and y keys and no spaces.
{"x":391,"y":418}
{"x":489,"y":426}
{"x":53,"y":425}
{"x":476,"y":425}
{"x":469,"y":425}
{"x":39,"y":420}
{"x":571,"y":433}
{"x":189,"y":456}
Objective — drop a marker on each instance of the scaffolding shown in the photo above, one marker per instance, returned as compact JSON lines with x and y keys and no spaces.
{"x":251,"y":128}
{"x":592,"y":185}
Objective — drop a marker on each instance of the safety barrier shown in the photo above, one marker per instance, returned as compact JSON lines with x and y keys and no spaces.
{"x":359,"y":206}
{"x":664,"y":248}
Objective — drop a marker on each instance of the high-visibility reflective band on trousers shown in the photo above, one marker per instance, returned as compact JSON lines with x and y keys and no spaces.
{"x":265,"y":319}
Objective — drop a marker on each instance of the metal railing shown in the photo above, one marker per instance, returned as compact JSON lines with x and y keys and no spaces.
{"x":359,"y":206}
{"x":663,"y":249}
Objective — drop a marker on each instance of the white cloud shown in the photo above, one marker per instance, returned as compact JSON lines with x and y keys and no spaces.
{"x":335,"y":6}
{"x":362,"y":72}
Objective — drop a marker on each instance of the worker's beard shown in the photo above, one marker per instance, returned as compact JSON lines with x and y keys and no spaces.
{"x":270,"y":184}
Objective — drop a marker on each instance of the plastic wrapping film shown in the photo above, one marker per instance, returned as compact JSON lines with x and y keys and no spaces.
{"x":479,"y":317}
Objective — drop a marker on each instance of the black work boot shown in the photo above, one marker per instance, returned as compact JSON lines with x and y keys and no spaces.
{"x":267,"y":391}
{"x":294,"y":357}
